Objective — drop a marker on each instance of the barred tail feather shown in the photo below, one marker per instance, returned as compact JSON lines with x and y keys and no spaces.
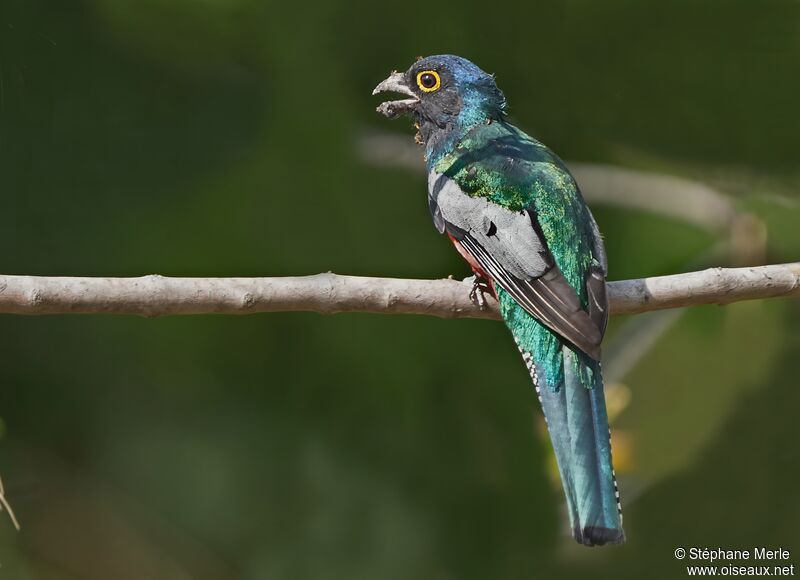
{"x":578,"y":425}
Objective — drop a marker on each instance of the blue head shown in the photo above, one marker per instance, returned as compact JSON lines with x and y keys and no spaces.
{"x":448,"y":95}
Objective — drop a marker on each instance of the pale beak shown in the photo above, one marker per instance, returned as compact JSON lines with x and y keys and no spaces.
{"x":396,"y":83}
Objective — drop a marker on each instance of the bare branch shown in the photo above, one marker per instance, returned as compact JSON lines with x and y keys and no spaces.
{"x":331,"y":293}
{"x":683,"y":199}
{"x":712,"y":286}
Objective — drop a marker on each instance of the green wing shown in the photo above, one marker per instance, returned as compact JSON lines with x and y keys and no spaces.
{"x":500,"y":165}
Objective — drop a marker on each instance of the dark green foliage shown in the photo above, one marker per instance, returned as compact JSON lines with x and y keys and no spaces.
{"x":218,"y":138}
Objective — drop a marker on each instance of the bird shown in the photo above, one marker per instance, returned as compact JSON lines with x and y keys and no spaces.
{"x":515,"y":213}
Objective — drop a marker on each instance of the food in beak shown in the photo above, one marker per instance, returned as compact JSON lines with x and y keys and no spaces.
{"x":396,"y":83}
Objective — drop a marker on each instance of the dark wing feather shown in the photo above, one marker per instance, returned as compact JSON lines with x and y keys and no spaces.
{"x":510,"y":247}
{"x":549,"y":298}
{"x":598,"y":301}
{"x":596,"y":279}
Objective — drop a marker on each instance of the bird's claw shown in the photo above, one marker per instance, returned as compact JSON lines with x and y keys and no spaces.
{"x":478,"y":292}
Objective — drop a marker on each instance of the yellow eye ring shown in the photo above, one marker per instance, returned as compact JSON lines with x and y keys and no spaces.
{"x":429,"y":81}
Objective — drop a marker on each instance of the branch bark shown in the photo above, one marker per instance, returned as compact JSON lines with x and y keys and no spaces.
{"x":331,"y":293}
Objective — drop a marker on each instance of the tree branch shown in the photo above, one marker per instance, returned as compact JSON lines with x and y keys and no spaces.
{"x":683,"y":199}
{"x":331,"y":293}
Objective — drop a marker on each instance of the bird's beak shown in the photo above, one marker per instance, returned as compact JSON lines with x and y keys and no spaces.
{"x":396,"y":83}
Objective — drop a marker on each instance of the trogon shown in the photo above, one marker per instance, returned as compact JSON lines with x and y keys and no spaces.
{"x":515,"y":213}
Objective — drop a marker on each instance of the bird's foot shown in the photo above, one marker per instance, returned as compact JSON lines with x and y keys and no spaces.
{"x":479,"y":290}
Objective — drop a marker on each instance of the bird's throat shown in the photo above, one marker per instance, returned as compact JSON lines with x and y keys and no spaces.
{"x":439,"y":139}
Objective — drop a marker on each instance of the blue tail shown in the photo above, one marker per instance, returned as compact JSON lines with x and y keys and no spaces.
{"x":576,"y":418}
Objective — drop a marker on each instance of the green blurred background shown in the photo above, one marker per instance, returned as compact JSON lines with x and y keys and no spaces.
{"x":221,"y":138}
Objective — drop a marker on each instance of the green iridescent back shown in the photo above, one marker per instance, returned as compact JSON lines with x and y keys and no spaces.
{"x":499,"y":162}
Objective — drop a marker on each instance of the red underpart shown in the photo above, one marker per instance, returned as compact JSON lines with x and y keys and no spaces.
{"x":474,"y":265}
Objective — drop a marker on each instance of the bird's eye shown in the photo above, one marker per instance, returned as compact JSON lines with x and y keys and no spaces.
{"x":429,"y":81}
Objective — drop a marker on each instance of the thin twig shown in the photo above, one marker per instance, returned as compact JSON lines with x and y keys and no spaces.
{"x":5,"y":505}
{"x":683,"y":199}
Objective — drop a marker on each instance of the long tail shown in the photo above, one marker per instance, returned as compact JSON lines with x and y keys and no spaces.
{"x":576,"y":418}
